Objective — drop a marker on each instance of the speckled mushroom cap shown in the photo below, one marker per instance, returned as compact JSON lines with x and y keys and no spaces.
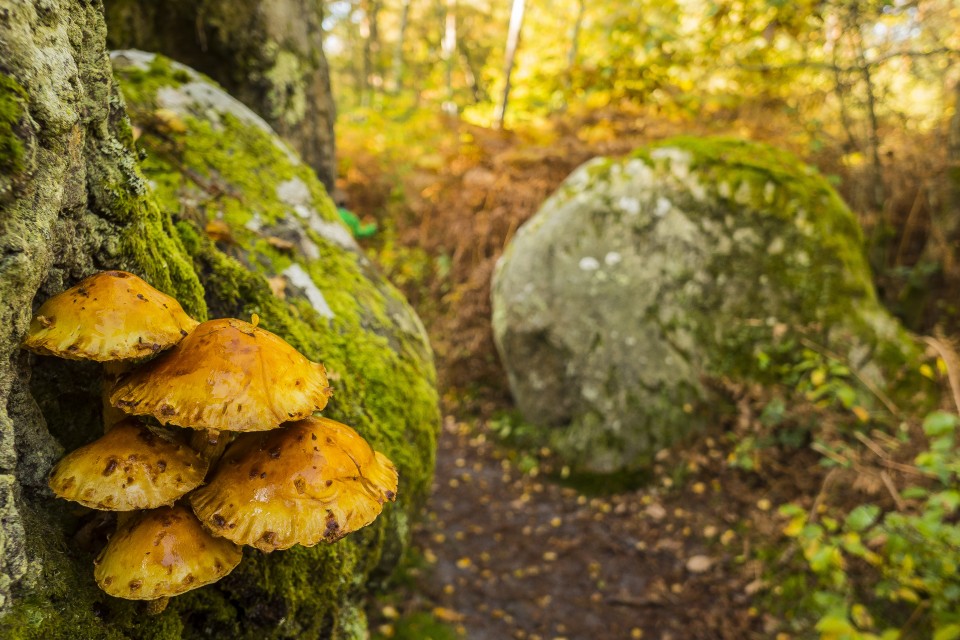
{"x":130,"y":467}
{"x":110,"y":316}
{"x":227,"y":375}
{"x":163,"y":552}
{"x":313,"y":480}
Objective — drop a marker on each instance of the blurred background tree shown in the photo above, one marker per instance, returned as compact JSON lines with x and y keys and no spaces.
{"x":865,"y":89}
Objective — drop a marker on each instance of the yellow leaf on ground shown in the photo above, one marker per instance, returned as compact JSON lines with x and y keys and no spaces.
{"x":447,"y":615}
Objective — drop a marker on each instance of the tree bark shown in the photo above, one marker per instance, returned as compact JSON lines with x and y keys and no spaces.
{"x":953,"y":167}
{"x":268,"y":54}
{"x":943,"y":243}
{"x":72,"y":202}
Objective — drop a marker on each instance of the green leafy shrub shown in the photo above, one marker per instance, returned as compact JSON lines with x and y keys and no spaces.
{"x":877,"y":573}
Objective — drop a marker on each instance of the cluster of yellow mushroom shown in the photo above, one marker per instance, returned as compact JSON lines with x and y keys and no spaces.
{"x":280,"y":476}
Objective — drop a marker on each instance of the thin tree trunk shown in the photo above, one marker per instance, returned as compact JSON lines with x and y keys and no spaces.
{"x":513,"y":40}
{"x":396,"y":82}
{"x":876,"y":167}
{"x":944,"y":243}
{"x":370,"y":30}
{"x":448,"y":47}
{"x":471,"y":72}
{"x":575,"y":38}
{"x":875,"y":188}
{"x":840,"y":87}
{"x":953,"y":160}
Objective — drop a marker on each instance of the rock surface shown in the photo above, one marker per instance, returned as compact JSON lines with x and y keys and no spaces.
{"x":78,"y":202}
{"x":641,"y":278}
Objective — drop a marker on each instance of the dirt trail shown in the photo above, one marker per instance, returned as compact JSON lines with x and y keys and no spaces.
{"x":513,"y":555}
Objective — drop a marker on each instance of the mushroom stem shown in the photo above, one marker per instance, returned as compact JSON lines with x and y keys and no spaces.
{"x":210,"y":444}
{"x":111,"y":415}
{"x":111,"y":371}
{"x":156,"y":607}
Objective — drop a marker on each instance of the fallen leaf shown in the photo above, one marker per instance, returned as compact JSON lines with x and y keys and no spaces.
{"x":447,"y":615}
{"x":699,"y":564}
{"x":219,"y":231}
{"x":278,"y":285}
{"x":280,"y":244}
{"x":656,"y":511}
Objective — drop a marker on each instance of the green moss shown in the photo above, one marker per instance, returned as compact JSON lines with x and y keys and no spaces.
{"x":149,"y":241}
{"x":13,"y":99}
{"x":832,"y":295}
{"x":141,"y":85}
{"x":236,"y":169}
{"x":67,"y":605}
{"x":798,"y":195}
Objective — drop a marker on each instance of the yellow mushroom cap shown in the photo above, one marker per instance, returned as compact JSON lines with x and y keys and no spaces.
{"x":227,"y":375}
{"x":312,"y":480}
{"x":112,"y":315}
{"x":163,"y":552}
{"x":130,"y":467}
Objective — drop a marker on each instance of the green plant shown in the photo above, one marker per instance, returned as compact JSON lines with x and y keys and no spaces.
{"x":878,"y":573}
{"x":421,"y":625}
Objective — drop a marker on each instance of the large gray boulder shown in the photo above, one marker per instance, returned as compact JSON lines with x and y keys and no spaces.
{"x":641,"y":279}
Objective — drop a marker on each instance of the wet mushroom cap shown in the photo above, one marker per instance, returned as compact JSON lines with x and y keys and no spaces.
{"x":110,"y":316}
{"x":130,"y":467}
{"x":313,"y":480}
{"x":163,"y":552}
{"x":227,"y":375}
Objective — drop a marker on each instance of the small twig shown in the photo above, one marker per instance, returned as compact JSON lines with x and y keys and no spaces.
{"x":951,"y":360}
{"x":827,"y":481}
{"x":870,"y":444}
{"x":640,"y":602}
{"x":906,"y":468}
{"x":888,"y":483}
{"x":833,"y":455}
{"x":913,"y":618}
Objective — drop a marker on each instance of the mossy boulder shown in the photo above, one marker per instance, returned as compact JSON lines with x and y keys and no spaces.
{"x":239,"y":226}
{"x":642,"y":279}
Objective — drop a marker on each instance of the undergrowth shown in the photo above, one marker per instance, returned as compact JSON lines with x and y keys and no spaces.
{"x":874,"y":555}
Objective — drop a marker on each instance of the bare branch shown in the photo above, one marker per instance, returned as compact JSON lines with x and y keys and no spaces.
{"x":858,"y":68}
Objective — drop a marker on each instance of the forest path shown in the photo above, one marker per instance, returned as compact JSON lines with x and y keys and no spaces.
{"x":511,"y":554}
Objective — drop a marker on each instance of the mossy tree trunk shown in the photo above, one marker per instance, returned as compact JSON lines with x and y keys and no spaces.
{"x":73,"y":200}
{"x":267,"y":54}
